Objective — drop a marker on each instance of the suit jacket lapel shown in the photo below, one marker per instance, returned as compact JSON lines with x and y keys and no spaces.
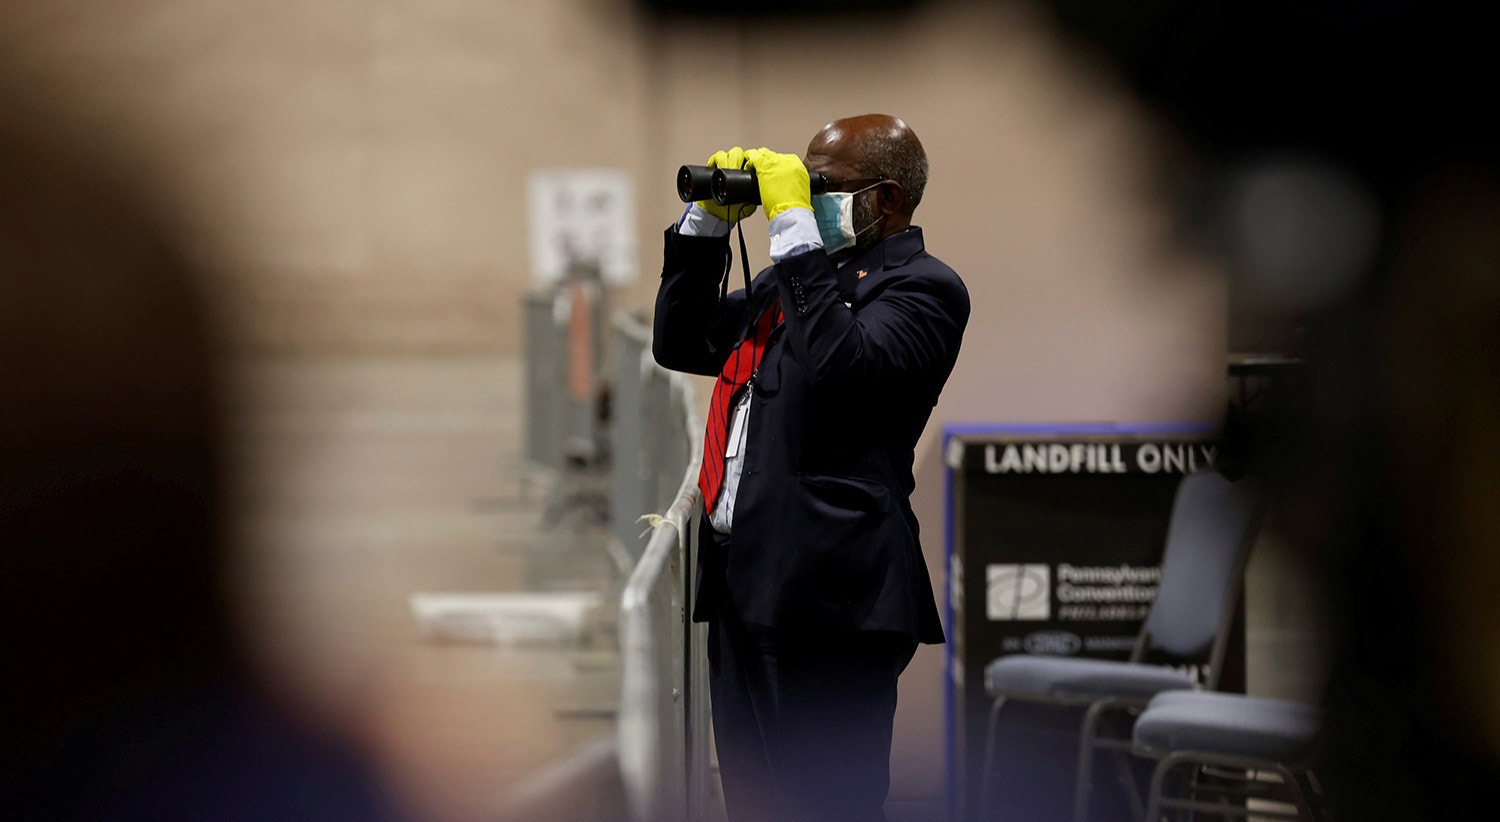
{"x":867,"y":270}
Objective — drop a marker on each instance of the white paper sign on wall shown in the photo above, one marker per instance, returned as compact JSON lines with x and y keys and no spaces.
{"x":582,"y":216}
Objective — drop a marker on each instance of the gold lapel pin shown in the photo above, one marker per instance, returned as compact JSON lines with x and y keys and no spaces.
{"x":862,"y":273}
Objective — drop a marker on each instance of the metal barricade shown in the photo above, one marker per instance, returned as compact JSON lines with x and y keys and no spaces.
{"x":673,"y":433}
{"x":632,"y":487}
{"x":544,"y":389}
{"x":663,"y":728}
{"x":564,"y":344}
{"x":650,"y":432}
{"x":656,"y":436}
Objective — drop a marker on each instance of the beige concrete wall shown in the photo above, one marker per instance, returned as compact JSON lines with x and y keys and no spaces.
{"x":362,"y":164}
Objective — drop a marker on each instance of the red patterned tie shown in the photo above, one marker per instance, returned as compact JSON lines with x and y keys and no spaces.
{"x":737,"y":371}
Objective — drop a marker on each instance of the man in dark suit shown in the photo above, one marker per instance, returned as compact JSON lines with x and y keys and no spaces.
{"x":829,"y":364}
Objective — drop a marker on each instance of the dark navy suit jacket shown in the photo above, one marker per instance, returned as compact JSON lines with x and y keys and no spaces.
{"x":824,"y":535}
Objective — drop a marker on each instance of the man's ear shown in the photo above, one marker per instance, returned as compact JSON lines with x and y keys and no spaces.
{"x":891,"y":197}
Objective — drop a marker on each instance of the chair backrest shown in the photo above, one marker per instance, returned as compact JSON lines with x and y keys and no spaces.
{"x":1209,"y":535}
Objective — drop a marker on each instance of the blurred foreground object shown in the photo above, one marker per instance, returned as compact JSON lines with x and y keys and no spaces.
{"x":1342,"y":158}
{"x":1300,"y":126}
{"x":790,"y":8}
{"x":127,"y":696}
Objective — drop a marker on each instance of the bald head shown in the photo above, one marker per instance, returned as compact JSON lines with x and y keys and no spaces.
{"x":873,"y":145}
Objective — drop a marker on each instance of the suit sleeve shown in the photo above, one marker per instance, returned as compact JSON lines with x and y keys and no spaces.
{"x":692,"y":332}
{"x":914,"y":325}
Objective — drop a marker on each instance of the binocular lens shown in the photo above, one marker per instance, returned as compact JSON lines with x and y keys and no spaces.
{"x":695,"y":183}
{"x":732,"y":186}
{"x":729,"y":186}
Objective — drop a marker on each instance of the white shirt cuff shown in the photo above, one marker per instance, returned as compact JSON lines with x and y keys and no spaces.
{"x":697,"y":222}
{"x":793,"y":232}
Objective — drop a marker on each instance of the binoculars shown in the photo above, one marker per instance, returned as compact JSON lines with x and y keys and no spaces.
{"x":729,"y":186}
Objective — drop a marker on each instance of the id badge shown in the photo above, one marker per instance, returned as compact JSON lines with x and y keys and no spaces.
{"x":737,"y":427}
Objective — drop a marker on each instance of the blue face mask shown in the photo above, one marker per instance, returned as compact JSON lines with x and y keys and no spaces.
{"x":834,"y":212}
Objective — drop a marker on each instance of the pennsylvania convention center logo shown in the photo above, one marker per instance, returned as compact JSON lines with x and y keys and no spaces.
{"x":1018,"y":591}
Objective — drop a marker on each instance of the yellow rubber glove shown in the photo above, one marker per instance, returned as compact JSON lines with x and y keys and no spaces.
{"x":733,"y":158}
{"x":783,"y":181}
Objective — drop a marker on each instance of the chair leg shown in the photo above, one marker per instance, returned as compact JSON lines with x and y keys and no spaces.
{"x":1293,"y":790}
{"x":1188,"y":784}
{"x":1198,"y":784}
{"x":1128,"y":784}
{"x":1158,"y":778}
{"x":988,"y":774}
{"x":1194,"y":786}
{"x":1315,"y":795}
{"x":1299,"y":798}
{"x":1083,"y":787}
